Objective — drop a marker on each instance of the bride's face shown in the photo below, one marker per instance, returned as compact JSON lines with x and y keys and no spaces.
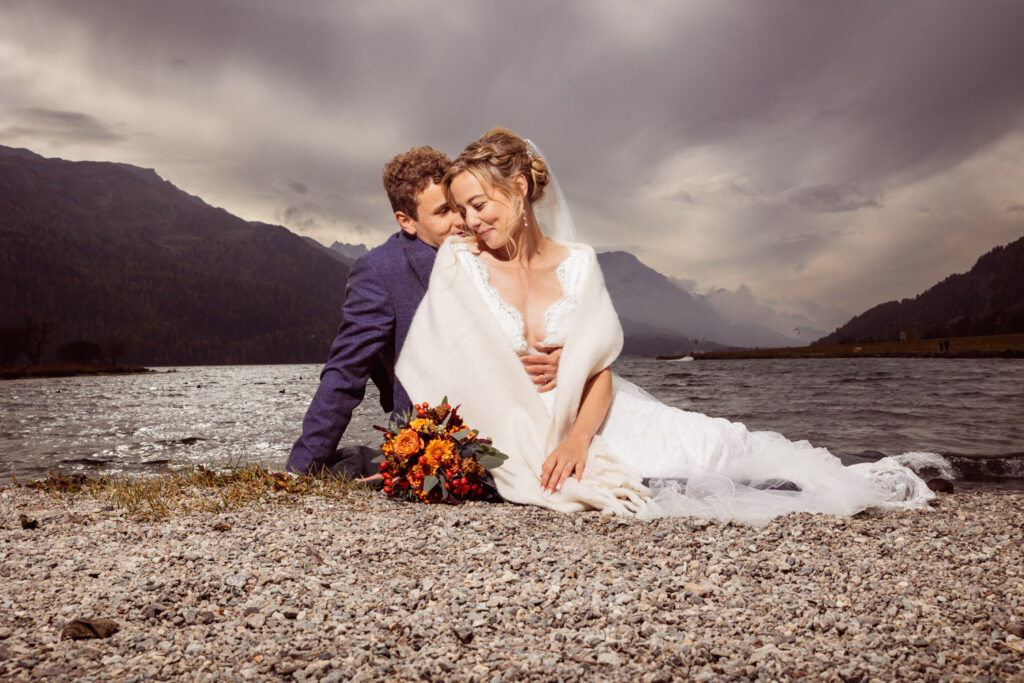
{"x":486,"y":216}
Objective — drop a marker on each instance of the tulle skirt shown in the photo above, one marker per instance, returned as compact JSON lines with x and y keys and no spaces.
{"x":716,"y":469}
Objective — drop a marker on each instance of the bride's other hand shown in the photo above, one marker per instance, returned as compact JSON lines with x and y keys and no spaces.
{"x":542,"y":367}
{"x":568,"y":459}
{"x":571,"y":455}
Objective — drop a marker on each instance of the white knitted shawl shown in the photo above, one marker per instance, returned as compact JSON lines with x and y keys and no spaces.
{"x":455,"y":348}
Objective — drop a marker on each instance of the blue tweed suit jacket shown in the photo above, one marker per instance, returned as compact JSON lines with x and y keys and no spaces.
{"x":385,"y":286}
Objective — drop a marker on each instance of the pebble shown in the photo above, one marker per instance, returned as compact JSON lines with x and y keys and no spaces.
{"x":367,"y":588}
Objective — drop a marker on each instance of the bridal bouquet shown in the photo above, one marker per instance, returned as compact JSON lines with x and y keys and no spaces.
{"x":435,"y":457}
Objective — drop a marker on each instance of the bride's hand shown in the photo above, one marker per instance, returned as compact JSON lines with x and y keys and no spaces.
{"x":542,"y":367}
{"x":568,"y":459}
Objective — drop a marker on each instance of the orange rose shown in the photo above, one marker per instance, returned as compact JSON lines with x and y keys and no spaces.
{"x":407,"y":443}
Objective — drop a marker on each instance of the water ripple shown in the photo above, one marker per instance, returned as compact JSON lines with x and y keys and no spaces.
{"x":254,"y":413}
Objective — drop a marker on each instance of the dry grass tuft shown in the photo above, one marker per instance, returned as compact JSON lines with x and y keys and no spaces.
{"x":187,"y":488}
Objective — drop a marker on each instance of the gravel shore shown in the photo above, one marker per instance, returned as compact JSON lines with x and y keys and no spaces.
{"x":365,"y":588}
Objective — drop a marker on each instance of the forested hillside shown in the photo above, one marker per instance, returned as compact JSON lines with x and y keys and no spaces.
{"x":989,"y":299}
{"x":96,"y":251}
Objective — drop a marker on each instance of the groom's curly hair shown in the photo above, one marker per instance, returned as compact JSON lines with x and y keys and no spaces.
{"x":410,"y":173}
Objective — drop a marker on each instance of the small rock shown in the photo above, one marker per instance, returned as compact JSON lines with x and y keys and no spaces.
{"x":286,"y":668}
{"x":693,"y":597}
{"x":940,"y":485}
{"x":237,"y":580}
{"x":79,"y":629}
{"x":28,"y":523}
{"x":221,"y":526}
{"x":698,"y":588}
{"x":610,"y":658}
{"x":464,"y":634}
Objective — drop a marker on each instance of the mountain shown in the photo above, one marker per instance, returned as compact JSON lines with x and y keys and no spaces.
{"x":658,"y":316}
{"x":336,"y":255}
{"x":349,"y":251}
{"x":99,"y":249}
{"x":988,"y":299}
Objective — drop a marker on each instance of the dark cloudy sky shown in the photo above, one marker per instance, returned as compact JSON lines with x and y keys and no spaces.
{"x":817,"y":157}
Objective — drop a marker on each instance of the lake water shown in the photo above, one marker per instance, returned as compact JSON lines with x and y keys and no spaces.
{"x":971,"y":410}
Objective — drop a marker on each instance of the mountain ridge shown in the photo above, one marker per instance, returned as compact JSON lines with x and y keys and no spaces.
{"x":104,"y":248}
{"x":987,"y":299}
{"x":649,"y":303}
{"x":101,"y":248}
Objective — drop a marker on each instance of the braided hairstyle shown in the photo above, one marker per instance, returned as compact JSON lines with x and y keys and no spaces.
{"x":496,"y":159}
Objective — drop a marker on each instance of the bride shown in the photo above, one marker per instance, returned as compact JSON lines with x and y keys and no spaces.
{"x":520,"y":283}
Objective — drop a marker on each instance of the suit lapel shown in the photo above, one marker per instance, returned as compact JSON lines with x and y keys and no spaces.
{"x":421,"y":257}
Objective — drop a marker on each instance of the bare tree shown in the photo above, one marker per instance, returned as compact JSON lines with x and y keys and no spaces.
{"x":115,"y":346}
{"x":36,"y":332}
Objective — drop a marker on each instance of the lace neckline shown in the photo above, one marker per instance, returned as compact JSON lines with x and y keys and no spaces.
{"x":511,"y":319}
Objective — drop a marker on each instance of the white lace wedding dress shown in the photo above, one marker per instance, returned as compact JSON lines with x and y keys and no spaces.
{"x":703,"y":466}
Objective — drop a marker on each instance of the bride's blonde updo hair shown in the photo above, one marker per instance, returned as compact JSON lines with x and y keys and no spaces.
{"x":495,"y":160}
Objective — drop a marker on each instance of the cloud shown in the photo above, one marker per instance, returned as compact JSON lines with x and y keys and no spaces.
{"x":285,"y":183}
{"x":69,"y":126}
{"x":832,"y":198}
{"x":690,"y":286}
{"x":728,"y":143}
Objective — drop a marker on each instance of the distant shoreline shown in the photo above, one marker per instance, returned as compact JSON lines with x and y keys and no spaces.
{"x":50,"y":371}
{"x":995,"y":346}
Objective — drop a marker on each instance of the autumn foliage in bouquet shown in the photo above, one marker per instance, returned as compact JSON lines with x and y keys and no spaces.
{"x":434,"y":457}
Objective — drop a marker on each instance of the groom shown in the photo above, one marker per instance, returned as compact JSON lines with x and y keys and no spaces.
{"x":385,"y":287}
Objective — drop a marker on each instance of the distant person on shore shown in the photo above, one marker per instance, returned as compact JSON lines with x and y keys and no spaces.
{"x":385,"y":286}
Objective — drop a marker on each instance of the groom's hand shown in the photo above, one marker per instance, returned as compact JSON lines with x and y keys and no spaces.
{"x":542,"y":367}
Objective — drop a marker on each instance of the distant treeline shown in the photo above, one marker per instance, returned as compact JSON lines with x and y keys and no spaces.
{"x":987,"y":300}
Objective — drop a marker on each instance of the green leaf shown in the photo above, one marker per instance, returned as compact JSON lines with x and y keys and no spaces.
{"x":444,"y":492}
{"x":461,"y":434}
{"x":490,"y":462}
{"x":403,"y":418}
{"x":379,"y":459}
{"x":429,"y":482}
{"x":488,"y":456}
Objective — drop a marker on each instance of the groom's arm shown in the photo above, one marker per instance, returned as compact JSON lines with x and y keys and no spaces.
{"x":368,"y":325}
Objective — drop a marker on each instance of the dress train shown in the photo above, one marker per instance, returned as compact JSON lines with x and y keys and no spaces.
{"x":716,"y":469}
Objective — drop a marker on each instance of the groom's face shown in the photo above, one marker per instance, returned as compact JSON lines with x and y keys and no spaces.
{"x":434,"y":219}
